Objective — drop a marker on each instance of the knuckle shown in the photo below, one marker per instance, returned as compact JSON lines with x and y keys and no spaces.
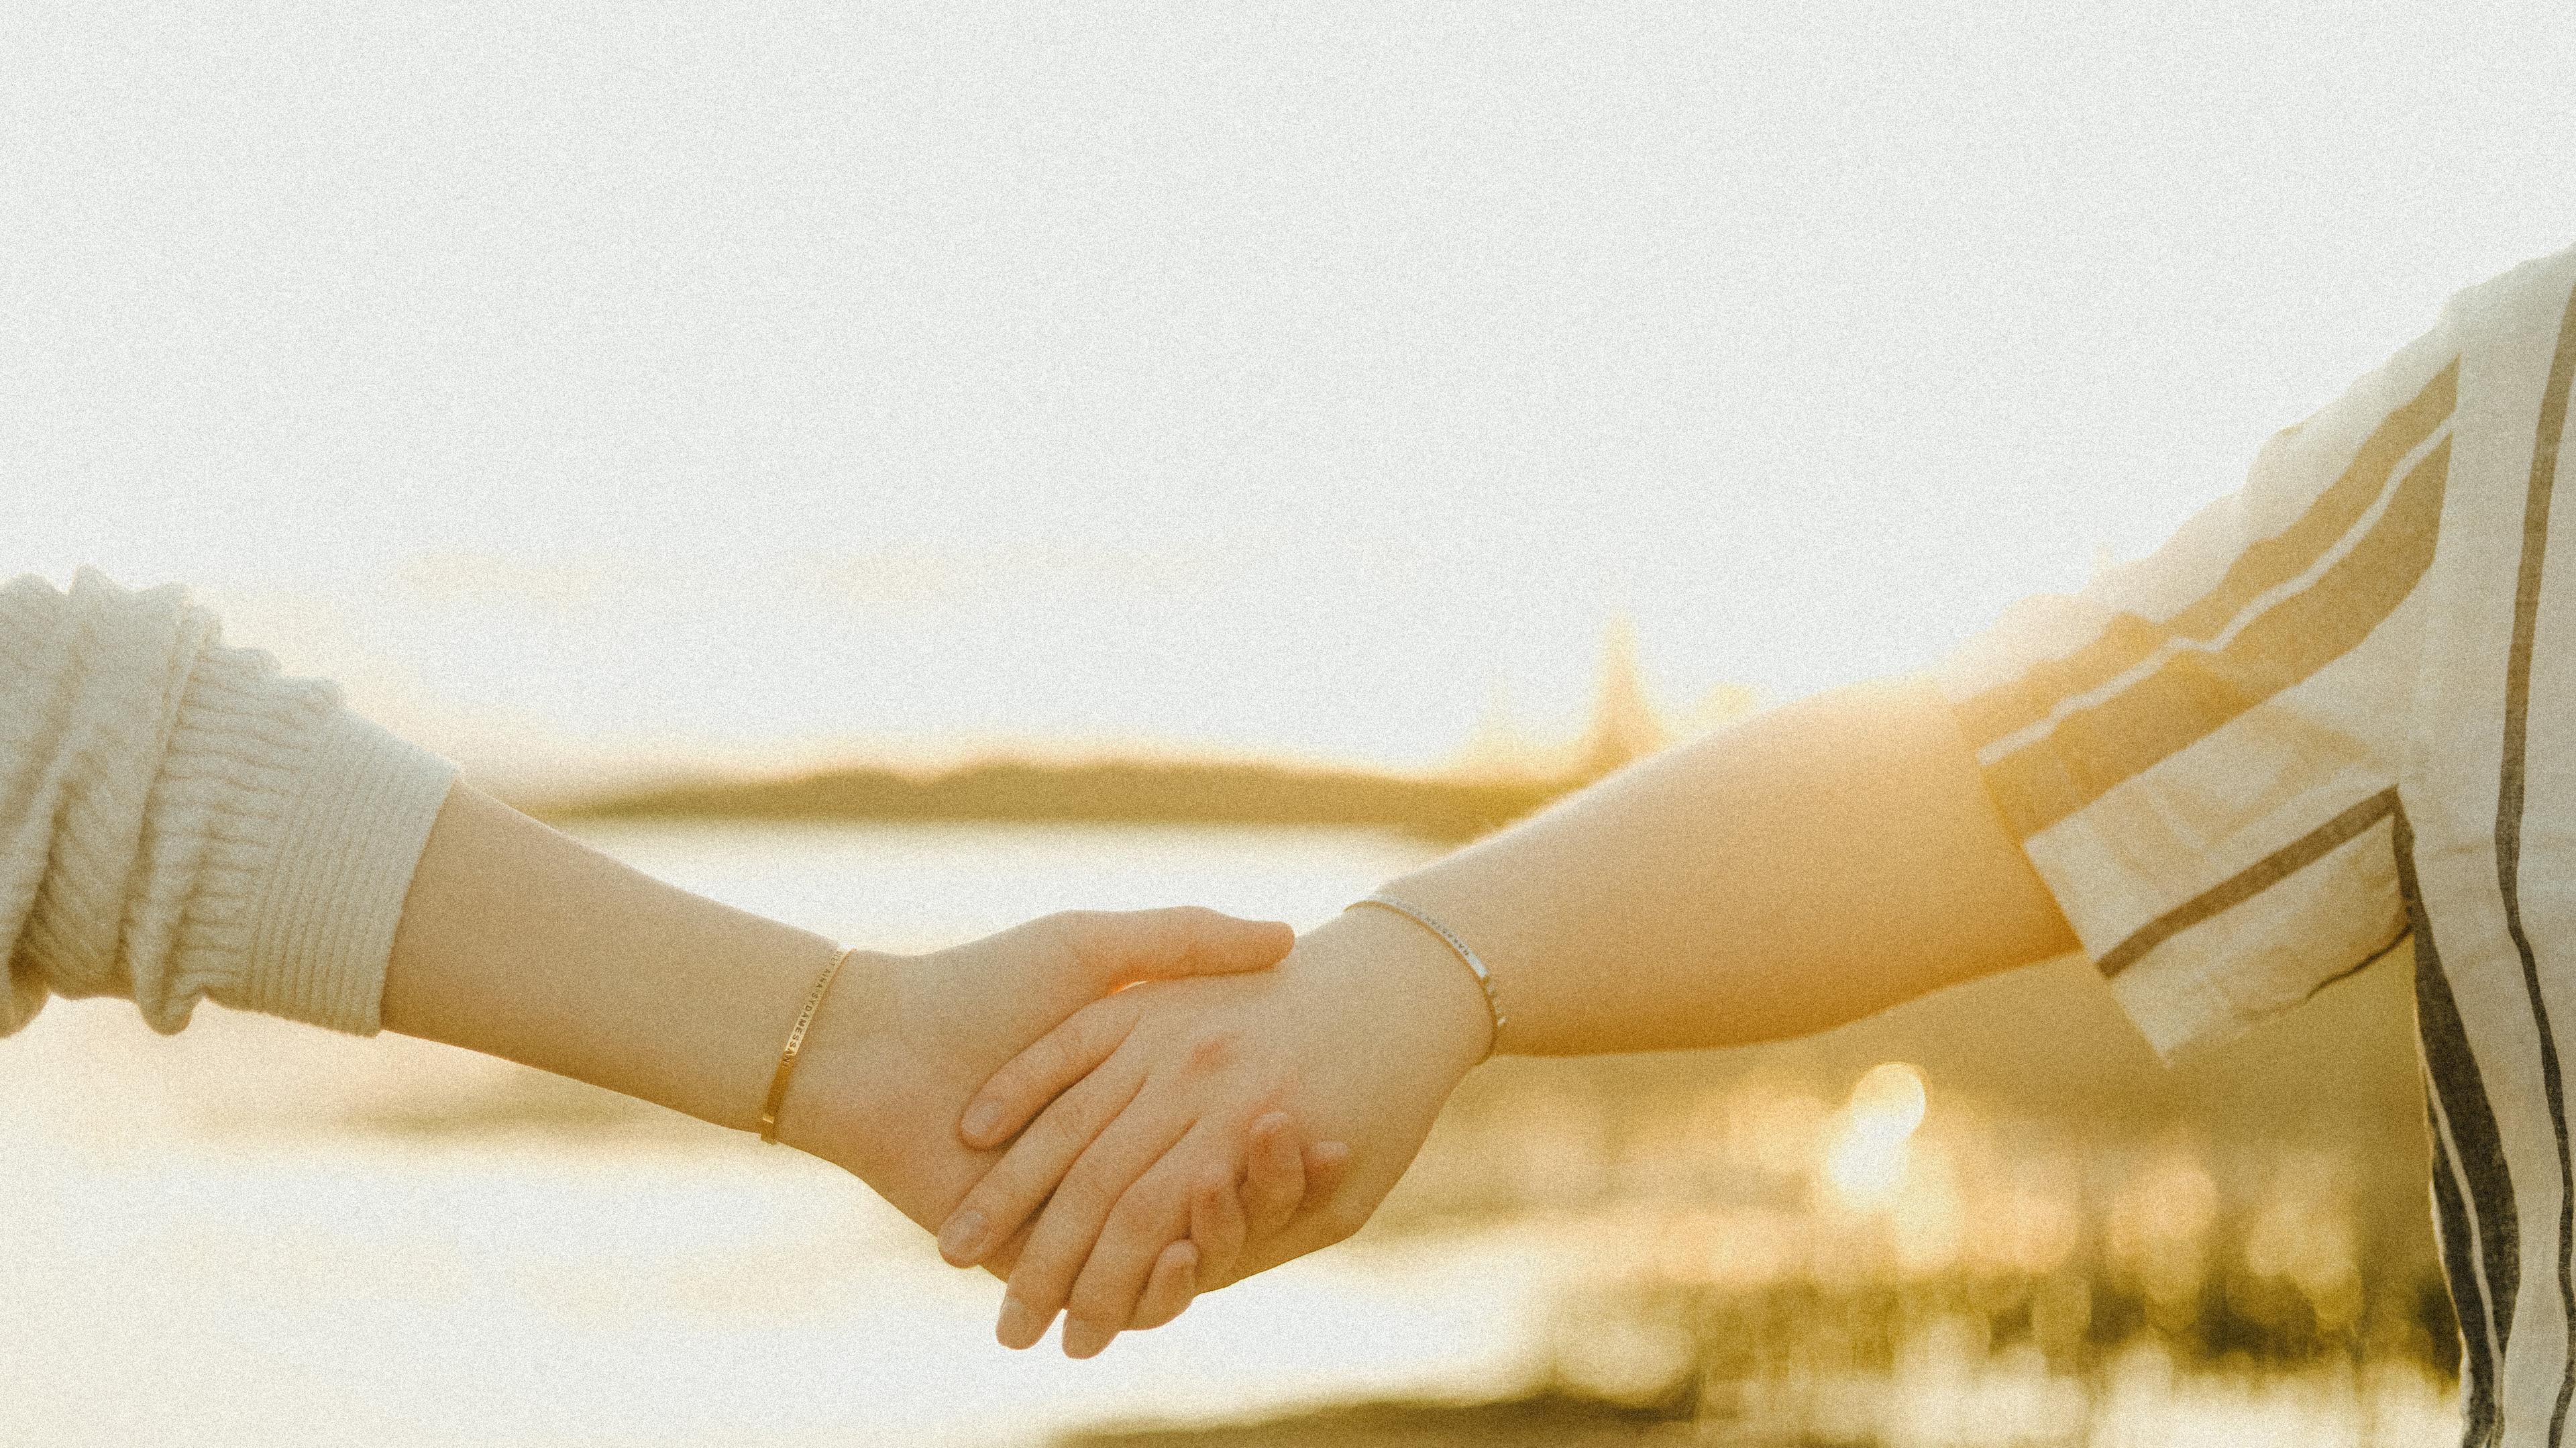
{"x":1063,"y":1130}
{"x":1085,"y":1197}
{"x":1047,"y":1145}
{"x":1011,"y":1193}
{"x":1060,"y":1059}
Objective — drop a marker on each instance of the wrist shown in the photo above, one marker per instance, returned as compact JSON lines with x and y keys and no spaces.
{"x":1411,"y":982}
{"x":840,"y":1101}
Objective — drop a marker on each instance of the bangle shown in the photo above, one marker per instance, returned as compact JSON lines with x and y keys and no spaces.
{"x":796,"y":1043}
{"x":1449,"y":937}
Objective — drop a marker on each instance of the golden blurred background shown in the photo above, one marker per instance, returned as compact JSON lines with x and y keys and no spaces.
{"x":905,"y":468}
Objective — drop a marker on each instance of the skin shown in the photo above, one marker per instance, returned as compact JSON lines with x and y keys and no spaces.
{"x":520,"y":942}
{"x":1806,"y":868}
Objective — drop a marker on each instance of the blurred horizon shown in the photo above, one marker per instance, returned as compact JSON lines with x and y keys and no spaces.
{"x":1498,"y":775}
{"x":603,"y":390}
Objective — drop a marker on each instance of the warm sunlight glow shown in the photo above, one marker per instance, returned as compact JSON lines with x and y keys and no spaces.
{"x":905,"y":470}
{"x":1867,"y":1156}
{"x":589,"y":394}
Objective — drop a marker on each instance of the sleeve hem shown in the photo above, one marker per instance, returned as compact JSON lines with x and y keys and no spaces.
{"x":323,"y":925}
{"x":2175,"y":1013}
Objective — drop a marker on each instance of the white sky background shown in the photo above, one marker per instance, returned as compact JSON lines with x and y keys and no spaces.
{"x":597,"y":383}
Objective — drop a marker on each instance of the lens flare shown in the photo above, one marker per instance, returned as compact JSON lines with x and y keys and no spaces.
{"x":1872,"y":1145}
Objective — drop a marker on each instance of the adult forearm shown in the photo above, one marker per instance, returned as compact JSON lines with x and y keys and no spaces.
{"x":1808,"y":867}
{"x":1811,"y":866}
{"x":521,"y":943}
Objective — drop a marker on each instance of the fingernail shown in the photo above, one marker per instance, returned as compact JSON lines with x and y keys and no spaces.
{"x":961,"y":1239}
{"x":981,"y":1119}
{"x":1021,"y":1326}
{"x":1082,"y":1339}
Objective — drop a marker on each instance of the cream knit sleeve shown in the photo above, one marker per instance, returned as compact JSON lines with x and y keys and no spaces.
{"x":178,"y":821}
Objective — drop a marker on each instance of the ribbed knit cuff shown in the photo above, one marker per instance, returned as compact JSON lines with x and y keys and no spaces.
{"x":323,"y":923}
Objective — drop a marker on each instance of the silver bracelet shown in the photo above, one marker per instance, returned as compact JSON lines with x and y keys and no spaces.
{"x":1449,"y":937}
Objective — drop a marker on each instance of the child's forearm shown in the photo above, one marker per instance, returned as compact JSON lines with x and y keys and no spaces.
{"x":1806,"y":868}
{"x":521,"y":943}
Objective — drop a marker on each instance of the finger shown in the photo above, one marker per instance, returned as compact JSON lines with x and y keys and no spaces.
{"x":1071,"y":1225}
{"x":1002,"y":1259}
{"x":1216,"y":1220}
{"x":1180,"y":940}
{"x":1327,"y":1164}
{"x":1047,"y":1068}
{"x":1110,"y":1291}
{"x":1020,"y":1183}
{"x":1274,"y":1179}
{"x":1169,"y":1290}
{"x":1216,"y":1224}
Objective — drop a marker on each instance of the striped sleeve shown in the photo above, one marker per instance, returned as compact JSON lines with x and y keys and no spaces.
{"x":2200,"y":751}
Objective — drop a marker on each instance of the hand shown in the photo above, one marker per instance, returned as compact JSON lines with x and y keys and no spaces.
{"x":1361,"y":1034}
{"x":902,"y":1041}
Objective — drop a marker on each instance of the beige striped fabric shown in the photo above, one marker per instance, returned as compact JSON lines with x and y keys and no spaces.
{"x":2334,"y":714}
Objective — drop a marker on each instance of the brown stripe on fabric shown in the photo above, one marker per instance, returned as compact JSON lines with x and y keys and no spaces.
{"x":2482,"y":1251}
{"x":2197,"y":691}
{"x":2270,"y":562}
{"x":2251,"y":881}
{"x":2457,"y":1242}
{"x":2509,"y":806}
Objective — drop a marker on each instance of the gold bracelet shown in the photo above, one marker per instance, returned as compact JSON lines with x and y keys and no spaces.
{"x":796,"y":1043}
{"x":1449,"y":937}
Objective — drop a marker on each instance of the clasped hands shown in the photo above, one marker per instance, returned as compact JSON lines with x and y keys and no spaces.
{"x":1116,"y":1111}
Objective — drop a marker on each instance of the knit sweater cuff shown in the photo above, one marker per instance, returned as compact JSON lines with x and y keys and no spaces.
{"x":349,"y":835}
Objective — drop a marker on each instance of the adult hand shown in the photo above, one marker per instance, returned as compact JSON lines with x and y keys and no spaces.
{"x":1141,"y":1102}
{"x":901,"y":1042}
